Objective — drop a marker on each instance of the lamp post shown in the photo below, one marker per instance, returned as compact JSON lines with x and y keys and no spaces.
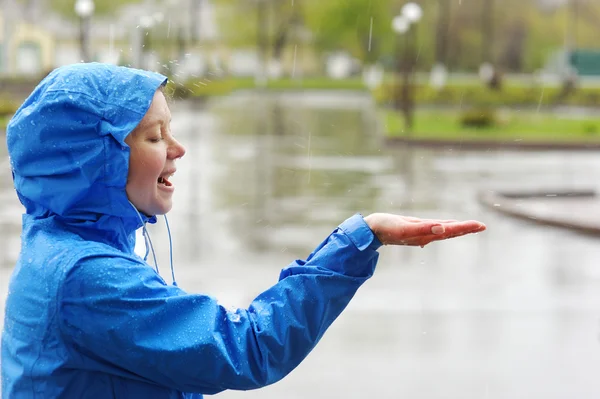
{"x":262,"y":40}
{"x":84,"y":10}
{"x":400,"y":25}
{"x":410,"y":15}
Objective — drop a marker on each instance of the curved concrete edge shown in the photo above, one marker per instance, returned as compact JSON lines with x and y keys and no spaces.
{"x":506,"y":203}
{"x":478,"y":145}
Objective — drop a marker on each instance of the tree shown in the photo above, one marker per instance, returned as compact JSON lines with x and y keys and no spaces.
{"x":362,"y":27}
{"x":514,"y":48}
{"x":241,"y":21}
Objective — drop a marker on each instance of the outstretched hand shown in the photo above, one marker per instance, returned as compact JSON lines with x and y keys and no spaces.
{"x":403,"y":230}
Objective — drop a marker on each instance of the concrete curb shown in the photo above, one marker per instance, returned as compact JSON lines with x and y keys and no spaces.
{"x":479,"y":145}
{"x":515,"y":204}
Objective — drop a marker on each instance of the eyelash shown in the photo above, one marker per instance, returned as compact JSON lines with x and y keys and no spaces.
{"x":160,"y":138}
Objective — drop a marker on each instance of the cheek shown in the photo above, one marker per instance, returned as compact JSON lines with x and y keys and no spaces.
{"x":145,"y":165}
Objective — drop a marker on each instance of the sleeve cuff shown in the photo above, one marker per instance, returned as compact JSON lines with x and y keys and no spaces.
{"x":359,"y":233}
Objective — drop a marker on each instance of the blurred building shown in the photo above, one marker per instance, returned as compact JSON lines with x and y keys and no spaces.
{"x":178,"y":37}
{"x":177,"y":34}
{"x":25,"y":48}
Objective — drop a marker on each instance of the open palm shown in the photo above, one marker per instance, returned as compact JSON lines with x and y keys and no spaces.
{"x":405,"y":230}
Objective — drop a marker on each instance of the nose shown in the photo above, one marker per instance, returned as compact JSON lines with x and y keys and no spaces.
{"x":176,"y":150}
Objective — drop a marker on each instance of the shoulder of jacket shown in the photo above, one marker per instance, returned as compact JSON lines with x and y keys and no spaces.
{"x":73,"y":256}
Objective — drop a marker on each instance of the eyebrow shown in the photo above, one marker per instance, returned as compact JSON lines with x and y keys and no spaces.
{"x":155,"y":121}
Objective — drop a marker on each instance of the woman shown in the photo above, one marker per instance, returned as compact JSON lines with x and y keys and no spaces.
{"x":92,"y":154}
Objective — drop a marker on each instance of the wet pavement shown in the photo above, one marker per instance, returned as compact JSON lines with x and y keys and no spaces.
{"x":574,"y":210}
{"x":510,"y":313}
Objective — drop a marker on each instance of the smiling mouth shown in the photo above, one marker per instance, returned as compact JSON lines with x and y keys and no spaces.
{"x":164,"y":181}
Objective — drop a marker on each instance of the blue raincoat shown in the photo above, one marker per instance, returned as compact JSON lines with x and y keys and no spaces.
{"x":88,"y":318}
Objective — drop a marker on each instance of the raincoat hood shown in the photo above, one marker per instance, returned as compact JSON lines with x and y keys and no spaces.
{"x":67,"y":148}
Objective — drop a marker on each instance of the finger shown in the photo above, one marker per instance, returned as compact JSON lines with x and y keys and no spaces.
{"x":423,"y":229}
{"x":468,"y":225}
{"x":452,"y":230}
{"x":448,"y":229}
{"x":453,"y":233}
{"x":419,"y":220}
{"x":422,"y":241}
{"x":441,"y":220}
{"x":409,"y":234}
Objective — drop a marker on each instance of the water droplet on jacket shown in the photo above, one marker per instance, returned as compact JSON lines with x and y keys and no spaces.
{"x":235,"y":317}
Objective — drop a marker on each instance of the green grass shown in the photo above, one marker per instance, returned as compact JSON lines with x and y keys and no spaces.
{"x":206,"y":88}
{"x":3,"y":122}
{"x":469,"y":93}
{"x":7,"y":109}
{"x":317,"y":83}
{"x":526,"y":126}
{"x":475,"y":94}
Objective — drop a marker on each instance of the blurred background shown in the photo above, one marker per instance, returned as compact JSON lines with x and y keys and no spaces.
{"x":296,"y":114}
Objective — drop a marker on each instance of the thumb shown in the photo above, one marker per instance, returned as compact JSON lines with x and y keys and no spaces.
{"x":427,"y":229}
{"x":437,"y":229}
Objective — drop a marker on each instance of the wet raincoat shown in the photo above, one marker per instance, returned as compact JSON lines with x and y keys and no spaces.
{"x":88,"y":318}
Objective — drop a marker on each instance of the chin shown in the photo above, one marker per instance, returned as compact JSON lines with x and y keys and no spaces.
{"x":163,"y":210}
{"x":156,"y":211}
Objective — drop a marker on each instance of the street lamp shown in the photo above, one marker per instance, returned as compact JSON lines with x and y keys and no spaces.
{"x":146,"y":22}
{"x":400,"y":24}
{"x":410,"y":15}
{"x":413,"y":12}
{"x":84,"y":9}
{"x":261,"y":41}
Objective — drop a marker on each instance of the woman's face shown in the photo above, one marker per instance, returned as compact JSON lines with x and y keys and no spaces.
{"x":153,"y":151}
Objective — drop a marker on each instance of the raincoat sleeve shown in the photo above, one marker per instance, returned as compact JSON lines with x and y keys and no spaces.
{"x":120,"y":316}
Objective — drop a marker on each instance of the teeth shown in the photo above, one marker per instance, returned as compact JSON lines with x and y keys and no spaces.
{"x":162,"y":179}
